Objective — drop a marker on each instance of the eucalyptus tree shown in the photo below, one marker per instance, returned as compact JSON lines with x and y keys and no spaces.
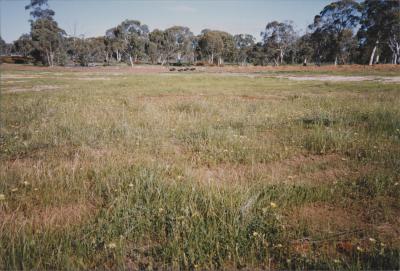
{"x":47,"y":39}
{"x":333,"y":27}
{"x":23,"y":45}
{"x":278,"y":37}
{"x":39,"y":9}
{"x":5,"y":48}
{"x":304,"y":48}
{"x":155,"y":46}
{"x":243,"y":44}
{"x":379,"y":28}
{"x":128,"y":38}
{"x":216,"y":45}
{"x":211,"y":45}
{"x":257,"y":55}
{"x":178,"y":44}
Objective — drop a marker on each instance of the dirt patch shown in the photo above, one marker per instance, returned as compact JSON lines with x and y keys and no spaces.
{"x":337,"y":78}
{"x":34,"y":88}
{"x":226,"y":69}
{"x":323,"y":218}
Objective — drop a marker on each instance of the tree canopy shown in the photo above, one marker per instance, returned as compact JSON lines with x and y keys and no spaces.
{"x":344,"y":31}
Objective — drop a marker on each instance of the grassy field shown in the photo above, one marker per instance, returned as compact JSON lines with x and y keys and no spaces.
{"x":197,"y":171}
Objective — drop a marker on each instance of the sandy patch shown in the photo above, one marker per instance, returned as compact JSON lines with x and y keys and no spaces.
{"x":337,"y":78}
{"x":35,"y":89}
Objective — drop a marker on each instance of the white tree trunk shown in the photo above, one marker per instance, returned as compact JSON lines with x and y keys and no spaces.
{"x":335,"y":60}
{"x":219,"y":61}
{"x":131,"y":60}
{"x":371,"y":59}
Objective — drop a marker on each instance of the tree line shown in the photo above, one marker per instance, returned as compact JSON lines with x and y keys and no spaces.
{"x":344,"y":32}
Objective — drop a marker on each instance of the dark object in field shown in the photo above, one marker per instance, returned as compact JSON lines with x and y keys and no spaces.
{"x":192,"y":69}
{"x":180,"y":70}
{"x":172,"y":69}
{"x":318,"y":121}
{"x":186,"y":69}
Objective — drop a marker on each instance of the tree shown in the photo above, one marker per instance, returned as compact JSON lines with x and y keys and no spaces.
{"x":218,"y":45}
{"x":3,"y":46}
{"x":178,"y":43}
{"x":155,"y":47}
{"x":24,"y":45}
{"x":47,"y":39}
{"x":211,"y":45}
{"x":380,"y":22}
{"x":39,"y":9}
{"x":335,"y":23}
{"x":304,"y":49}
{"x":257,"y":55}
{"x":130,"y":38}
{"x":229,"y":50}
{"x":243,"y":43}
{"x":277,"y":37}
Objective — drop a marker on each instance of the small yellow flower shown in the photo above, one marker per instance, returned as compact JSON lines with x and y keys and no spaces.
{"x":273,"y":205}
{"x":130,"y":185}
{"x":372,"y":240}
{"x":2,"y":197}
{"x":25,"y":183}
{"x":279,"y":246}
{"x":336,"y":261}
{"x":14,"y":189}
{"x":360,"y":249}
{"x":255,"y":234}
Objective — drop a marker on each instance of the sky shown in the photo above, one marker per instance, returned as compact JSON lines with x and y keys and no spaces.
{"x":93,"y":17}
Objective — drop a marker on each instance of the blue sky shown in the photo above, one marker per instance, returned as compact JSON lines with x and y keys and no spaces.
{"x":94,"y":17}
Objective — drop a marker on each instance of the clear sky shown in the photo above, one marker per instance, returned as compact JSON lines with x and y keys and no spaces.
{"x":94,"y":17}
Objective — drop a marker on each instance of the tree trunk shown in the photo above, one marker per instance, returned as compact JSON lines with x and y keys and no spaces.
{"x":107,"y":60}
{"x":118,"y":56}
{"x":305,"y":61}
{"x":371,"y":59}
{"x":131,"y":60}
{"x":219,"y":61}
{"x":377,"y":59}
{"x":281,"y":56}
{"x":335,"y":60}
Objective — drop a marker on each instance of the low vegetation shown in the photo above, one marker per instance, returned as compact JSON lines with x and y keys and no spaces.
{"x":197,"y":171}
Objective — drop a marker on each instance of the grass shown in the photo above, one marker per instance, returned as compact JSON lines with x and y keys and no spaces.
{"x":197,"y":171}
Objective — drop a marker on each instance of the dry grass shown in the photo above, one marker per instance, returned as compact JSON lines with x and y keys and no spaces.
{"x":197,"y":171}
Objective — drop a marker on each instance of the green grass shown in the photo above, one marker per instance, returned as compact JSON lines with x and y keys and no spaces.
{"x":197,"y":171}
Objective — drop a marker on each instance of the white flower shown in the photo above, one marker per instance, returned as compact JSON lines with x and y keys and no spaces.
{"x":112,"y":245}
